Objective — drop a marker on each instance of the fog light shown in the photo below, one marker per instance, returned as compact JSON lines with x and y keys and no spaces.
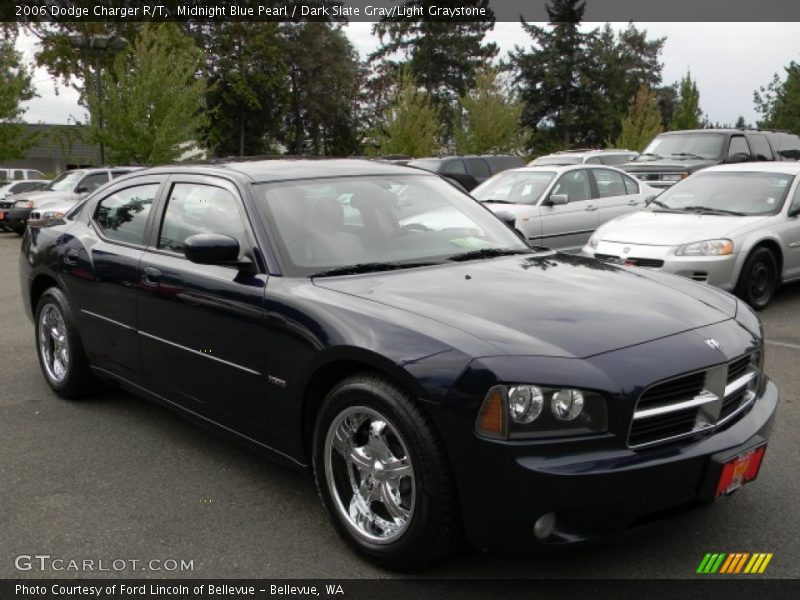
{"x":525,"y":403}
{"x":544,"y":526}
{"x":567,"y":404}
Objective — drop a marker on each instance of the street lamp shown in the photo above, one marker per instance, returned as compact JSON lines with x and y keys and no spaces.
{"x":94,"y":45}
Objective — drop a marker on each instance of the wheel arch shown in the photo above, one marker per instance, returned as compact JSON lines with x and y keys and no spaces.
{"x":39,"y":285}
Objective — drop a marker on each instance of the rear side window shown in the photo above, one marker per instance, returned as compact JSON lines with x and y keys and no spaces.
{"x":630,"y":185}
{"x":195,"y":208}
{"x":122,"y":216}
{"x":454,"y":167}
{"x":616,"y":159}
{"x":761,"y":149}
{"x":738,"y":146}
{"x":478,"y":167}
{"x":609,"y":183}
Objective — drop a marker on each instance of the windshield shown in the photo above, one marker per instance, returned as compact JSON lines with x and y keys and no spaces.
{"x":731,"y":192}
{"x":557,"y":160}
{"x":65,"y":182}
{"x":691,"y":145}
{"x":515,"y":187}
{"x":324,"y":224}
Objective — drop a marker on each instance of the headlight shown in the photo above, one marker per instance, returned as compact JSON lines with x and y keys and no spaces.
{"x":529,"y":411}
{"x":592,"y":243}
{"x":23,"y":204}
{"x":674,"y":176}
{"x":706,"y":248}
{"x":52,"y":214}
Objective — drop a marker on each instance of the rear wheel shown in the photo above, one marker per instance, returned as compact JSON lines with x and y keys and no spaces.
{"x":758,"y":279}
{"x":383,"y":476}
{"x":61,"y":355}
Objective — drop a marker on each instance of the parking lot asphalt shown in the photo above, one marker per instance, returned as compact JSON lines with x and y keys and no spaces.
{"x":116,"y":477}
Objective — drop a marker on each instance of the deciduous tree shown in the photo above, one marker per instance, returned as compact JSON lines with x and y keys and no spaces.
{"x":643,"y":122}
{"x":411,"y":124}
{"x":779,"y":101}
{"x":15,"y":88}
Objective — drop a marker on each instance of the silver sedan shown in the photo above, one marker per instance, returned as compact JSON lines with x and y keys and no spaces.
{"x":559,"y":206}
{"x":734,"y":226}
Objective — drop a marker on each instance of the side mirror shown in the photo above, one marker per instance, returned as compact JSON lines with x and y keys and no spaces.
{"x":649,"y":199}
{"x":739,"y":157}
{"x":81,"y":189}
{"x":557,"y":200}
{"x":507,"y":218}
{"x":211,"y":249}
{"x":794,"y":211}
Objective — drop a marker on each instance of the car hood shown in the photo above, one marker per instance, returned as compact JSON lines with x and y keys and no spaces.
{"x":667,"y":165}
{"x":518,"y":210}
{"x":545,"y":304}
{"x":56,"y":203}
{"x":39,"y":197}
{"x":657,"y":228}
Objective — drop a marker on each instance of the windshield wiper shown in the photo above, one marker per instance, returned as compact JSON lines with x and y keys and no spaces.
{"x":496,"y":201}
{"x":688,"y":155}
{"x":658,"y":203}
{"x":487,"y":253}
{"x":653,"y":154}
{"x":373,"y":267}
{"x":709,"y":210}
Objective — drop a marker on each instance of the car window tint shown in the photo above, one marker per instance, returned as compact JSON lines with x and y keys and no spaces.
{"x":574,"y":184}
{"x":631,"y":186}
{"x":615,"y":159}
{"x":609,"y":183}
{"x":92,"y":182}
{"x":478,"y":167}
{"x":761,"y":149}
{"x":19,"y":175}
{"x":595,"y":160}
{"x":194,"y":208}
{"x":738,"y":146}
{"x":122,"y":216}
{"x":796,"y":200}
{"x":454,"y":167}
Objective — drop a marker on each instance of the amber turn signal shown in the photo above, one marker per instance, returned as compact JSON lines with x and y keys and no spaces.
{"x":491,"y":419}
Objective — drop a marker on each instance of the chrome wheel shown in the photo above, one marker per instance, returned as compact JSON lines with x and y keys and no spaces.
{"x":369,"y":475}
{"x":53,"y":343}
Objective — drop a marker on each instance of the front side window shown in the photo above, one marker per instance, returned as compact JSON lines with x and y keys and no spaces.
{"x":194,"y":208}
{"x":454,"y":167}
{"x":66,"y":181}
{"x":738,"y":193}
{"x":738,"y":146}
{"x":122,"y":216}
{"x":609,"y":183}
{"x":575,"y":184}
{"x":324,"y":224}
{"x":516,"y":187}
{"x":796,"y":200}
{"x":91,"y":182}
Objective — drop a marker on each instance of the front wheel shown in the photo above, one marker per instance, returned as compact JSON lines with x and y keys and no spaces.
{"x":61,"y":356}
{"x":382,"y":473}
{"x":758,"y":279}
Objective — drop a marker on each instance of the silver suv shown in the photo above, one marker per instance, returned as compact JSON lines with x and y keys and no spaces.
{"x":610,"y":156}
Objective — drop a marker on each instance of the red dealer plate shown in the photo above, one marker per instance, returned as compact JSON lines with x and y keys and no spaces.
{"x":738,"y":471}
{"x":2,"y":215}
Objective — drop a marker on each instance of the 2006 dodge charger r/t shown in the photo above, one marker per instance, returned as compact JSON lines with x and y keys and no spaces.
{"x":374,"y":324}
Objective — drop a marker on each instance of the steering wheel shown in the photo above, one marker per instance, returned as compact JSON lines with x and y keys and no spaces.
{"x":405,"y":230}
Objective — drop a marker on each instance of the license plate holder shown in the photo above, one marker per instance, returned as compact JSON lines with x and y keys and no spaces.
{"x":728,"y":471}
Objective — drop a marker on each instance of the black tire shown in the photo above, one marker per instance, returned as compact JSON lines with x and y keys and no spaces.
{"x":758,"y":279}
{"x":77,"y":380}
{"x":432,"y":531}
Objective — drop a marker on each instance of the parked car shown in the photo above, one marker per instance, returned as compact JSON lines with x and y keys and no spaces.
{"x":437,"y":378}
{"x":59,"y":194}
{"x":8,"y":191}
{"x":732,"y":226}
{"x":19,"y":174}
{"x":608,"y":156}
{"x":675,"y":155}
{"x":561,"y":206}
{"x":468,"y":171}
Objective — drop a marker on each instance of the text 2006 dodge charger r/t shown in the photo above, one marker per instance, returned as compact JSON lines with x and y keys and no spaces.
{"x":372,"y":323}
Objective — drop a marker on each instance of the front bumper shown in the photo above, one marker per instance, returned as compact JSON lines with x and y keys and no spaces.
{"x":719,"y":271}
{"x":15,"y":218}
{"x":596,"y":494}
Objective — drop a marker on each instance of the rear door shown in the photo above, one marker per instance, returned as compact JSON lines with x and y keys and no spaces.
{"x":613,"y":195}
{"x":569,"y":226}
{"x":790,"y":233}
{"x":201,"y":330}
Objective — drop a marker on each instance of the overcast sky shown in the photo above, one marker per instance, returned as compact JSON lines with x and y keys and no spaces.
{"x":728,"y":60}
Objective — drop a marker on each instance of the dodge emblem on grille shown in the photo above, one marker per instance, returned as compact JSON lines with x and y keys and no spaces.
{"x":714,"y":344}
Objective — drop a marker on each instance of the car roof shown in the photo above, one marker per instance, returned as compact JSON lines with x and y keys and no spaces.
{"x":783,"y":167}
{"x":564,"y":168}
{"x":283,"y":169}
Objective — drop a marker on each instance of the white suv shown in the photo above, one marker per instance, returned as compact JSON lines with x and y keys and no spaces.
{"x":611,"y":156}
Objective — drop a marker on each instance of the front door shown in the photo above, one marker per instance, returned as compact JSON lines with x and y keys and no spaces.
{"x":200,"y":326}
{"x":569,"y":226}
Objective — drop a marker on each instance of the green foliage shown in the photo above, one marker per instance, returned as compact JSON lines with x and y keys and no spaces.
{"x":247,"y":86}
{"x":687,"y":114}
{"x":643,"y":122}
{"x":324,"y":81}
{"x":15,"y":88}
{"x":489,"y":119}
{"x":779,"y":101}
{"x":149,"y":107}
{"x":411,"y":124}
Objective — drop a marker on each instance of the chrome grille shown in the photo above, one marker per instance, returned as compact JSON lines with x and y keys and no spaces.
{"x":695,"y":403}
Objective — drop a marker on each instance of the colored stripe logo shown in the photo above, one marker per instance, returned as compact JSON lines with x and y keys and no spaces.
{"x":734,"y":563}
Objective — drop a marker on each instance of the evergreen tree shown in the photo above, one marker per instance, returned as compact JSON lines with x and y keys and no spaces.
{"x":687,"y":114}
{"x":15,"y":88}
{"x":152,"y":98}
{"x":779,"y":102}
{"x":643,"y":122}
{"x":488,"y":119}
{"x":741,"y":123}
{"x":411,"y":124}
